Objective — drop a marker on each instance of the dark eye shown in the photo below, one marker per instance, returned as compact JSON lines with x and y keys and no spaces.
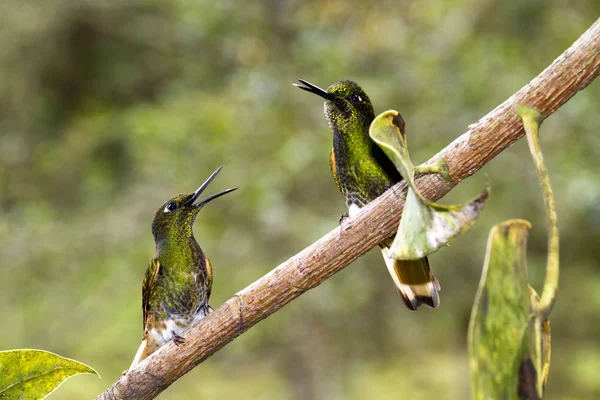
{"x":172,"y":206}
{"x":355,"y":98}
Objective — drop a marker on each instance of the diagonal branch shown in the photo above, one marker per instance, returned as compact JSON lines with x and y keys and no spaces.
{"x":575,"y":69}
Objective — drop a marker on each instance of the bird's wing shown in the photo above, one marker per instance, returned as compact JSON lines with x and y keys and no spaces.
{"x":209,"y":278}
{"x":333,"y":170}
{"x":148,"y":285}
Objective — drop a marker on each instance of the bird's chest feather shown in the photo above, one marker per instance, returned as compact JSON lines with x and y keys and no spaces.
{"x":182,"y":288}
{"x":184,"y":294}
{"x":361,"y":180}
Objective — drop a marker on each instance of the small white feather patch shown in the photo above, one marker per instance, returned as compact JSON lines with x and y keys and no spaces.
{"x":353,"y":209}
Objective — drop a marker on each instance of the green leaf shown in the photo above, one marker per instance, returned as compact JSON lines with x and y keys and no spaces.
{"x":34,"y":374}
{"x":508,"y":346}
{"x":500,"y":315}
{"x":425,"y":227}
{"x":386,"y":131}
{"x":509,"y":331}
{"x":536,"y":348}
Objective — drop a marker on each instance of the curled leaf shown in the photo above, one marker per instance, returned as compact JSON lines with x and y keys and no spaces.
{"x":500,"y":320}
{"x":425,"y":227}
{"x":509,"y":331}
{"x":509,"y":345}
{"x":34,"y":374}
{"x":388,"y":132}
{"x":537,"y":345}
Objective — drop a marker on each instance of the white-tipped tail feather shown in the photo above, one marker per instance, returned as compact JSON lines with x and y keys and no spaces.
{"x":414,"y":280}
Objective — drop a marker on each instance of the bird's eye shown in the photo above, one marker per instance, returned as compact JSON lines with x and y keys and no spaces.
{"x":355,"y":98}
{"x":172,"y":206}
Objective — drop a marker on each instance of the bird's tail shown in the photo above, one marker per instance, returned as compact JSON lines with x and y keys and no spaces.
{"x":413,"y":279}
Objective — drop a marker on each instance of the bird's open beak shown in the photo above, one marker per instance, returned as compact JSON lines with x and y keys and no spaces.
{"x":309,"y":87}
{"x":197,"y":193}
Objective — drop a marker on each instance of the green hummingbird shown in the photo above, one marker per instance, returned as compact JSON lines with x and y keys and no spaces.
{"x":179,"y":278}
{"x":362,"y":172}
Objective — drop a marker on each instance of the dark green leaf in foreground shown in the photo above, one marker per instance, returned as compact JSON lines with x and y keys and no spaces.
{"x":500,"y":333}
{"x":425,"y":227}
{"x":33,"y":374}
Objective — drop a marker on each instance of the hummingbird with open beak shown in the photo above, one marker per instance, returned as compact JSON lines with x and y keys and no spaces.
{"x":179,"y":278}
{"x":362,"y":172}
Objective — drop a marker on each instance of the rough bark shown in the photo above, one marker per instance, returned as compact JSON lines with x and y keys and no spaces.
{"x":575,"y":69}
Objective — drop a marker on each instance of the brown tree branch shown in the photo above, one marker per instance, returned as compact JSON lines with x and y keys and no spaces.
{"x":575,"y":69}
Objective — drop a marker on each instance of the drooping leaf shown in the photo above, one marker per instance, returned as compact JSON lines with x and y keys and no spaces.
{"x":425,"y":226}
{"x":509,"y":331}
{"x":33,"y":374}
{"x":536,"y":349}
{"x":499,"y":334}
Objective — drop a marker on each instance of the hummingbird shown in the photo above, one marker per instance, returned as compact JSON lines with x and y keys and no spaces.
{"x":179,"y":278}
{"x":362,"y":172}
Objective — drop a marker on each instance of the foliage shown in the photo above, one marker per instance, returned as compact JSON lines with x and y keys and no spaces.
{"x":425,"y":227}
{"x":34,"y":374}
{"x":502,"y":333}
{"x":509,"y":332}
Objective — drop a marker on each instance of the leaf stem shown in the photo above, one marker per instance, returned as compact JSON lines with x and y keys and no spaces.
{"x":532,"y":119}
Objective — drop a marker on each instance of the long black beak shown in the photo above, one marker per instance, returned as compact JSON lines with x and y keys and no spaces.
{"x":309,"y":87}
{"x":201,"y":189}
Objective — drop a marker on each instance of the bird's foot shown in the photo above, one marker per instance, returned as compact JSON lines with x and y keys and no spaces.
{"x":343,"y":217}
{"x":439,"y":167}
{"x":178,"y":340}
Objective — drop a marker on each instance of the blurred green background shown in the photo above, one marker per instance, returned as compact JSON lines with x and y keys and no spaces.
{"x":107,"y":109}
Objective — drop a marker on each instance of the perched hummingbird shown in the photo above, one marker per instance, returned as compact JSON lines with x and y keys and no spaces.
{"x":179,"y":278}
{"x":362,"y":172}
